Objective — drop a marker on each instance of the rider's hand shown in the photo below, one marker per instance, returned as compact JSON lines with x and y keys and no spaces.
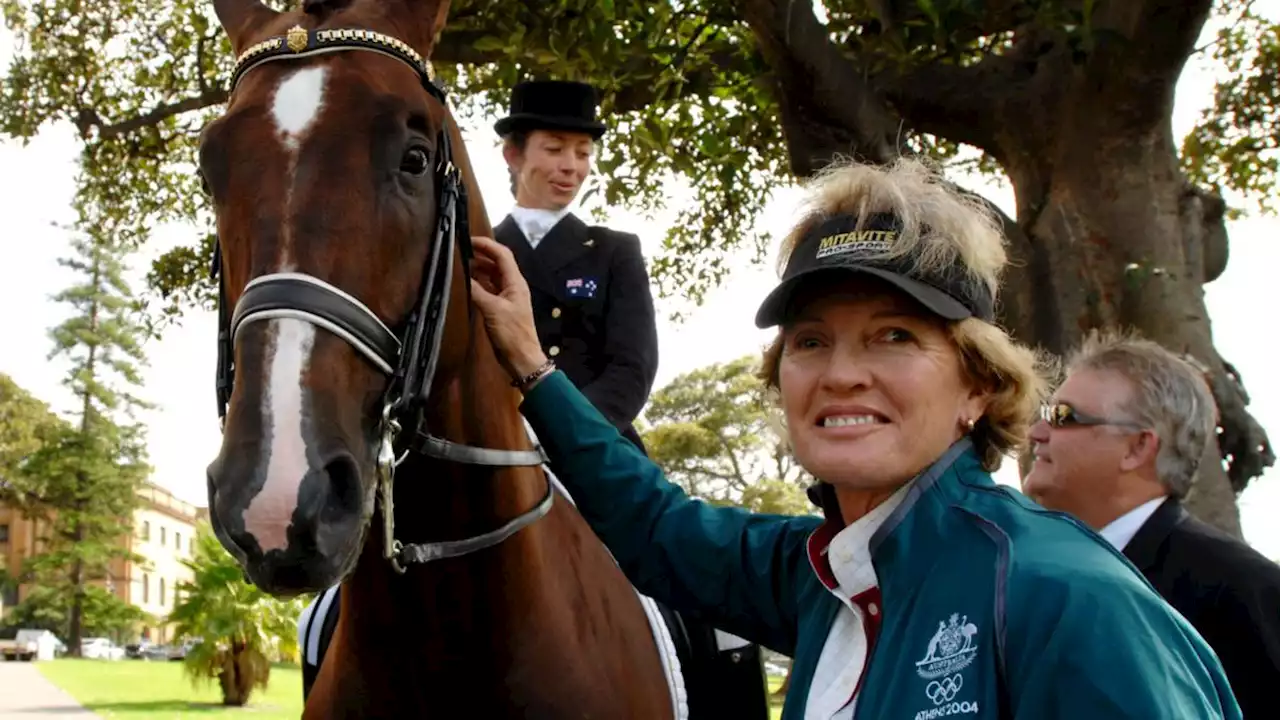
{"x":502,"y":296}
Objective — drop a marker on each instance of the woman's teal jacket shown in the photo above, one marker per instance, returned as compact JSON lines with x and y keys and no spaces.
{"x":992,"y":606}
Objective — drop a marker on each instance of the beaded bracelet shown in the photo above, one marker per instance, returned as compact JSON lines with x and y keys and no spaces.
{"x":544,"y":369}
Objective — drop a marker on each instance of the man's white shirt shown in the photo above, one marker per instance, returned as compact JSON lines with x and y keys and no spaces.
{"x":1120,"y":531}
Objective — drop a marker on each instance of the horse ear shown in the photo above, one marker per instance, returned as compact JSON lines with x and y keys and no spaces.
{"x":439,"y":20}
{"x":240,"y":18}
{"x":430,"y":16}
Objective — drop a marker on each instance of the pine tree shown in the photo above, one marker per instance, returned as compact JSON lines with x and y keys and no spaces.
{"x":89,"y":476}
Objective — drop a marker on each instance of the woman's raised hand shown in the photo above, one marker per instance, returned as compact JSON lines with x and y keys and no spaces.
{"x":501,"y":294}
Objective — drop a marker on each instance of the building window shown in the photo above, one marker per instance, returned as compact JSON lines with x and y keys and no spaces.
{"x":177,"y":540}
{"x":4,"y":533}
{"x":146,"y":588}
{"x":146,"y":530}
{"x":162,"y":591}
{"x":162,"y":536}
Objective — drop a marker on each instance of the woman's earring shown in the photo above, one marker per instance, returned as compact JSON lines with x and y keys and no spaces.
{"x":969,"y":424}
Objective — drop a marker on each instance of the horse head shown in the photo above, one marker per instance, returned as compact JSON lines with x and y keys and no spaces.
{"x":334,"y":176}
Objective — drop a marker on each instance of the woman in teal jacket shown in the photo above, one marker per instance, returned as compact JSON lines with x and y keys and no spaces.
{"x":928,"y":591}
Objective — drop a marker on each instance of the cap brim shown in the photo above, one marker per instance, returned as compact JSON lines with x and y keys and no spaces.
{"x":773,"y":311}
{"x":523,"y":121}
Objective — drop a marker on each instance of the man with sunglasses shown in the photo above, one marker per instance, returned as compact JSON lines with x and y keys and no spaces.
{"x":1118,"y":448}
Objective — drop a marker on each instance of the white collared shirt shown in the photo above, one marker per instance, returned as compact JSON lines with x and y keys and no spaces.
{"x":1120,"y":531}
{"x":535,"y":223}
{"x":844,"y":654}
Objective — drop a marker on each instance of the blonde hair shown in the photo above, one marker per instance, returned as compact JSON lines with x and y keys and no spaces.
{"x":942,"y":228}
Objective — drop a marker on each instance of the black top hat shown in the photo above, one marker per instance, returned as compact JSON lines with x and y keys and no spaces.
{"x":552,"y":105}
{"x":844,"y":244}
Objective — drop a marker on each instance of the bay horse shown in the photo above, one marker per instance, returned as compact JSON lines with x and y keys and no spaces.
{"x":353,"y":372}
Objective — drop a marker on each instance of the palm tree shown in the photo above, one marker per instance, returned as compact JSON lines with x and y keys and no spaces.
{"x":238,"y":630}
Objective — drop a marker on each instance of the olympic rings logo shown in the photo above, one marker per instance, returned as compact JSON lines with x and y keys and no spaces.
{"x":940,"y":691}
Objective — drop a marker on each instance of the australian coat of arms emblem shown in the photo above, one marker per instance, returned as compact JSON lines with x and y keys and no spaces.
{"x":951,"y":649}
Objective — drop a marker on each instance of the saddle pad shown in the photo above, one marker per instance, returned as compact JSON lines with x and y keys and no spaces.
{"x":661,"y":633}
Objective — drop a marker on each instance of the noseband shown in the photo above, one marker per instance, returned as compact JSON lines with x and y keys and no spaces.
{"x":409,"y":360}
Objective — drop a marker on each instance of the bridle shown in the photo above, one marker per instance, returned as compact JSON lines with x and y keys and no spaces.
{"x":408,"y":359}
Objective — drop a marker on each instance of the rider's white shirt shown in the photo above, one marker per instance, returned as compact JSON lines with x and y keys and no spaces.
{"x":1120,"y":531}
{"x":535,"y":223}
{"x":844,"y":655}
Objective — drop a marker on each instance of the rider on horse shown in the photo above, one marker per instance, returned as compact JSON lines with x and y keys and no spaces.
{"x":590,"y":290}
{"x":594,"y":314}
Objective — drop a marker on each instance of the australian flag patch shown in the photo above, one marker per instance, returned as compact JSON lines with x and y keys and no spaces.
{"x":581,"y":287}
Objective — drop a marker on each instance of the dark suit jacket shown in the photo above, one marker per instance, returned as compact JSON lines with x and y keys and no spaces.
{"x":594,"y":312}
{"x":1226,"y":589}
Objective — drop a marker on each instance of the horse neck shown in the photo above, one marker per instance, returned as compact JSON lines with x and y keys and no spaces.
{"x":437,"y":500}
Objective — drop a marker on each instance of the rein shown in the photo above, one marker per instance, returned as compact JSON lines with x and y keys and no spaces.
{"x":408,"y":360}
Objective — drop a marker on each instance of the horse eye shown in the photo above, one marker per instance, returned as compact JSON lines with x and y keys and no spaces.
{"x":415,"y":161}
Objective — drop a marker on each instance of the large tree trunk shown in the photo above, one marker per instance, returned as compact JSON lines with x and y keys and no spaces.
{"x":1116,"y":237}
{"x":1108,"y":233}
{"x":1104,"y":213}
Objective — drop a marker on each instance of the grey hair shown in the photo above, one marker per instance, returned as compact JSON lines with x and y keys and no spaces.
{"x":1170,"y":395}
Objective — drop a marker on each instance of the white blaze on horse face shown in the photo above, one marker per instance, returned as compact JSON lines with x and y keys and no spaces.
{"x":297,"y":104}
{"x":268,"y":516}
{"x":295,"y":109}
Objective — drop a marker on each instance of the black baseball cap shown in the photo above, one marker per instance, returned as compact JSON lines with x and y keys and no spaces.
{"x":840,"y":243}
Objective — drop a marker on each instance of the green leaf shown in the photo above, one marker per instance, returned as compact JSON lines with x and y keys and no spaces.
{"x":489,"y":43}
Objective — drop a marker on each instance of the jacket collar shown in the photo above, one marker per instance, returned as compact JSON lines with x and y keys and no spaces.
{"x":1144,"y":548}
{"x":961,"y":456}
{"x":915,"y":538}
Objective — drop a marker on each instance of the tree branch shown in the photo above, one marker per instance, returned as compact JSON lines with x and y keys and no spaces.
{"x":644,"y":91}
{"x":733,"y":459}
{"x":997,"y":16}
{"x":818,"y":81}
{"x":954,"y":102}
{"x":457,"y":47}
{"x":87,"y":119}
{"x":1140,"y":48}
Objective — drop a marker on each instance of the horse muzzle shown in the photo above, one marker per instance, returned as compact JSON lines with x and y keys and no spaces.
{"x":302,"y":537}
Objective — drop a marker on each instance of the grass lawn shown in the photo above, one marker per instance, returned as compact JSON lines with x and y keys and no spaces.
{"x":142,"y":690}
{"x":146,"y":690}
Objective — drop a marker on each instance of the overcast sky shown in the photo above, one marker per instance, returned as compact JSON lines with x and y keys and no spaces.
{"x":36,"y":187}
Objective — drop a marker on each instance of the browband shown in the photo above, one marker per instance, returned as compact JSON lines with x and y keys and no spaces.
{"x":300,"y":42}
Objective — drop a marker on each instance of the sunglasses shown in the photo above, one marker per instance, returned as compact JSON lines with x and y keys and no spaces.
{"x":1061,"y":415}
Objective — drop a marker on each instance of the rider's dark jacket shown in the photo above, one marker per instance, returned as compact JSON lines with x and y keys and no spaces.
{"x":992,"y":606}
{"x":593,"y":311}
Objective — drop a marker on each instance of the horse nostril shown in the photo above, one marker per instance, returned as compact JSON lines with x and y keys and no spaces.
{"x":343,"y":496}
